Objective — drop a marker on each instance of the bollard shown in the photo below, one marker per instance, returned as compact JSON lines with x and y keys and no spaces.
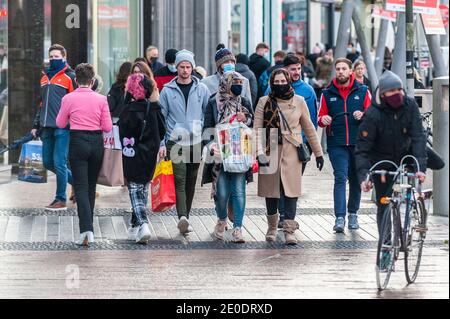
{"x":441,"y":145}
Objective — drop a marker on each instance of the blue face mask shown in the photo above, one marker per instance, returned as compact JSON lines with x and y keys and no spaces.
{"x":229,"y":68}
{"x":57,"y":64}
{"x":267,"y":56}
{"x":236,"y":89}
{"x":172,"y":68}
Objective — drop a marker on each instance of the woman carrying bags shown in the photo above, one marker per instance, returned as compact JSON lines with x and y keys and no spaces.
{"x":88,"y":115}
{"x":142,"y":129}
{"x":280,"y":119}
{"x":224,"y":107}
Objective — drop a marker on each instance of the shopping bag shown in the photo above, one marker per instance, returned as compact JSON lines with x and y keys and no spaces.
{"x":111,"y":173}
{"x":163,"y":194}
{"x":235,"y":144}
{"x":31,"y":164}
{"x":111,"y":140}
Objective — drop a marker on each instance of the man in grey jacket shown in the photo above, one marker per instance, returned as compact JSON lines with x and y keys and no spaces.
{"x":183,"y":102}
{"x":226,"y":62}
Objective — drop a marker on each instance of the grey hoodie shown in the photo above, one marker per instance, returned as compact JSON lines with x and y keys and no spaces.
{"x":184,"y":125}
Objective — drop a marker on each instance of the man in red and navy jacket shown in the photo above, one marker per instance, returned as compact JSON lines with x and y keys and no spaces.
{"x":57,"y":81}
{"x":342,"y":108}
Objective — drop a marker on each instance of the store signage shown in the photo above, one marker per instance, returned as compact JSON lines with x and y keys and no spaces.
{"x":379,"y":12}
{"x":113,"y":16}
{"x":420,"y":6}
{"x":444,"y":12}
{"x":433,"y":23}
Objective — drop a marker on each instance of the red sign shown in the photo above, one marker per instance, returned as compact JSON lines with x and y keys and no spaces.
{"x":444,"y":13}
{"x":113,"y":16}
{"x":420,"y":6}
{"x":433,"y":23}
{"x":379,"y":12}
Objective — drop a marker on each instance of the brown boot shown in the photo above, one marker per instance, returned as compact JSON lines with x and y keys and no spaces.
{"x":272,"y":231}
{"x":290,"y":226}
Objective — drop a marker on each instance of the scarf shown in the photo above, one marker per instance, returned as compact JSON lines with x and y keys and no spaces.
{"x":272,"y":117}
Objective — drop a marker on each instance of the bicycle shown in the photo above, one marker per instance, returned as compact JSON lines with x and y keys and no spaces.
{"x":407,"y":200}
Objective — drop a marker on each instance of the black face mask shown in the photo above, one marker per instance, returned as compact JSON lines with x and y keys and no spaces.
{"x":153,"y":60}
{"x":281,"y":90}
{"x":236,"y":89}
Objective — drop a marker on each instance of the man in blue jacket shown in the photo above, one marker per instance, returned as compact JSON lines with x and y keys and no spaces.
{"x":293,"y":65}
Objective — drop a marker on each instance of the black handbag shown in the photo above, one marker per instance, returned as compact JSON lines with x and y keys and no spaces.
{"x":304,"y":155}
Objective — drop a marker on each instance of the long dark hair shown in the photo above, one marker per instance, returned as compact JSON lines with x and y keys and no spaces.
{"x":124,"y":73}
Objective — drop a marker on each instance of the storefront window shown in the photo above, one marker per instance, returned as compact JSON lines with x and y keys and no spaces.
{"x":295,"y":24}
{"x":117,"y":37}
{"x":3,"y":77}
{"x":236,"y":17}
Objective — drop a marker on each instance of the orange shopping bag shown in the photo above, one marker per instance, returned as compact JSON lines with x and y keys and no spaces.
{"x":163,"y":195}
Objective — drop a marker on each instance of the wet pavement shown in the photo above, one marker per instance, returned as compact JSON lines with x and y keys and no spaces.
{"x":39,"y":259}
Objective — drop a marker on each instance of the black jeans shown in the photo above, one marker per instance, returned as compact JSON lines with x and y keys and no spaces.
{"x":86,"y":157}
{"x":290,"y":205}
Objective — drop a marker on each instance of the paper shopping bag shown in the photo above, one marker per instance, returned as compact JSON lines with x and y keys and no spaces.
{"x":111,"y":173}
{"x":163,"y":194}
{"x":111,"y":140}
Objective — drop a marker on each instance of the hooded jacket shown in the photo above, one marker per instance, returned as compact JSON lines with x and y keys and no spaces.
{"x":258,"y":65}
{"x":245,"y":71}
{"x":387,"y":134}
{"x":184,"y":123}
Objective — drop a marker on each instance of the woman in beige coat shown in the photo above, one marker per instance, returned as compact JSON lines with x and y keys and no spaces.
{"x":280,"y":171}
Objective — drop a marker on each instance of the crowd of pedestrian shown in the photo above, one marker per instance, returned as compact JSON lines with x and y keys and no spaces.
{"x":163,"y":111}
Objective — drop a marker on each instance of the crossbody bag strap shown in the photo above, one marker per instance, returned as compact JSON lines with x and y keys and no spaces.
{"x":284,"y":118}
{"x":144,"y":126}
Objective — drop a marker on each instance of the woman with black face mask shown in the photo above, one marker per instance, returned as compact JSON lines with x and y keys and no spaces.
{"x":224,"y":107}
{"x":280,"y":119}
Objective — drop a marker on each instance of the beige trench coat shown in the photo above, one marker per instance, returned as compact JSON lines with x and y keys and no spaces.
{"x":288,"y":168}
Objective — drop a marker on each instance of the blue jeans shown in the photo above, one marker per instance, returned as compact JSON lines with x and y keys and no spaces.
{"x":55,"y":151}
{"x":343,"y":160}
{"x":231,"y":187}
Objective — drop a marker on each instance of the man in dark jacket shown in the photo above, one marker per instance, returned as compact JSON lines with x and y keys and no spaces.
{"x":169,"y":72}
{"x":259,"y":61}
{"x":263,"y":81}
{"x":242,"y":68}
{"x":391,"y":129}
{"x":58,"y":81}
{"x":342,"y":107}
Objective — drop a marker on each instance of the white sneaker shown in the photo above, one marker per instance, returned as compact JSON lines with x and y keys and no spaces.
{"x":86,"y":239}
{"x":143,"y":235}
{"x":132,"y":233}
{"x":190,"y":229}
{"x":183,"y":225}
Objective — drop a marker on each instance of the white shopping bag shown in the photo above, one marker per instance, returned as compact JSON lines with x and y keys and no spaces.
{"x":111,"y":140}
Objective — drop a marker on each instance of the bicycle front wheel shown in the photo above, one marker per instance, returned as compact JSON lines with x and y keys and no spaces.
{"x":387,"y":247}
{"x":414,"y":240}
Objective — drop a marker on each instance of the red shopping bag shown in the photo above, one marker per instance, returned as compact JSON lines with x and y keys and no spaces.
{"x":163,"y":195}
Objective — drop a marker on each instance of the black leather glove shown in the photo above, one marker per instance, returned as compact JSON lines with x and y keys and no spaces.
{"x":320,"y":162}
{"x":263,"y":161}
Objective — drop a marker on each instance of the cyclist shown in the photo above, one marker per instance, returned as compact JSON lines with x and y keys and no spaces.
{"x":391,"y":129}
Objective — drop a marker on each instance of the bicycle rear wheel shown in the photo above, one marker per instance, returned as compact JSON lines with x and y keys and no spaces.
{"x":415,"y":238}
{"x":387,"y":247}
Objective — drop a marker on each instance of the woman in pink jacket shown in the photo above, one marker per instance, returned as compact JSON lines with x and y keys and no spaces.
{"x":88,"y":115}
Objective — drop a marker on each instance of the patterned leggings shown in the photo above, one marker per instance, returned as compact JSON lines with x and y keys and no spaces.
{"x":139,"y":201}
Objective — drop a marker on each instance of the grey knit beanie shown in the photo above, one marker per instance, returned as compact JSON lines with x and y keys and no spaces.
{"x":389,"y":81}
{"x":185,"y":56}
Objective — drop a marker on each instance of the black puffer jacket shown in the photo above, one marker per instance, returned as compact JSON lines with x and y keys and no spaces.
{"x":385,"y":134}
{"x":211,"y":115}
{"x":147,"y":128}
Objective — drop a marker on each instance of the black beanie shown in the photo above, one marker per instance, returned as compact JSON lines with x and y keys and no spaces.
{"x":171,"y":56}
{"x":242,"y":58}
